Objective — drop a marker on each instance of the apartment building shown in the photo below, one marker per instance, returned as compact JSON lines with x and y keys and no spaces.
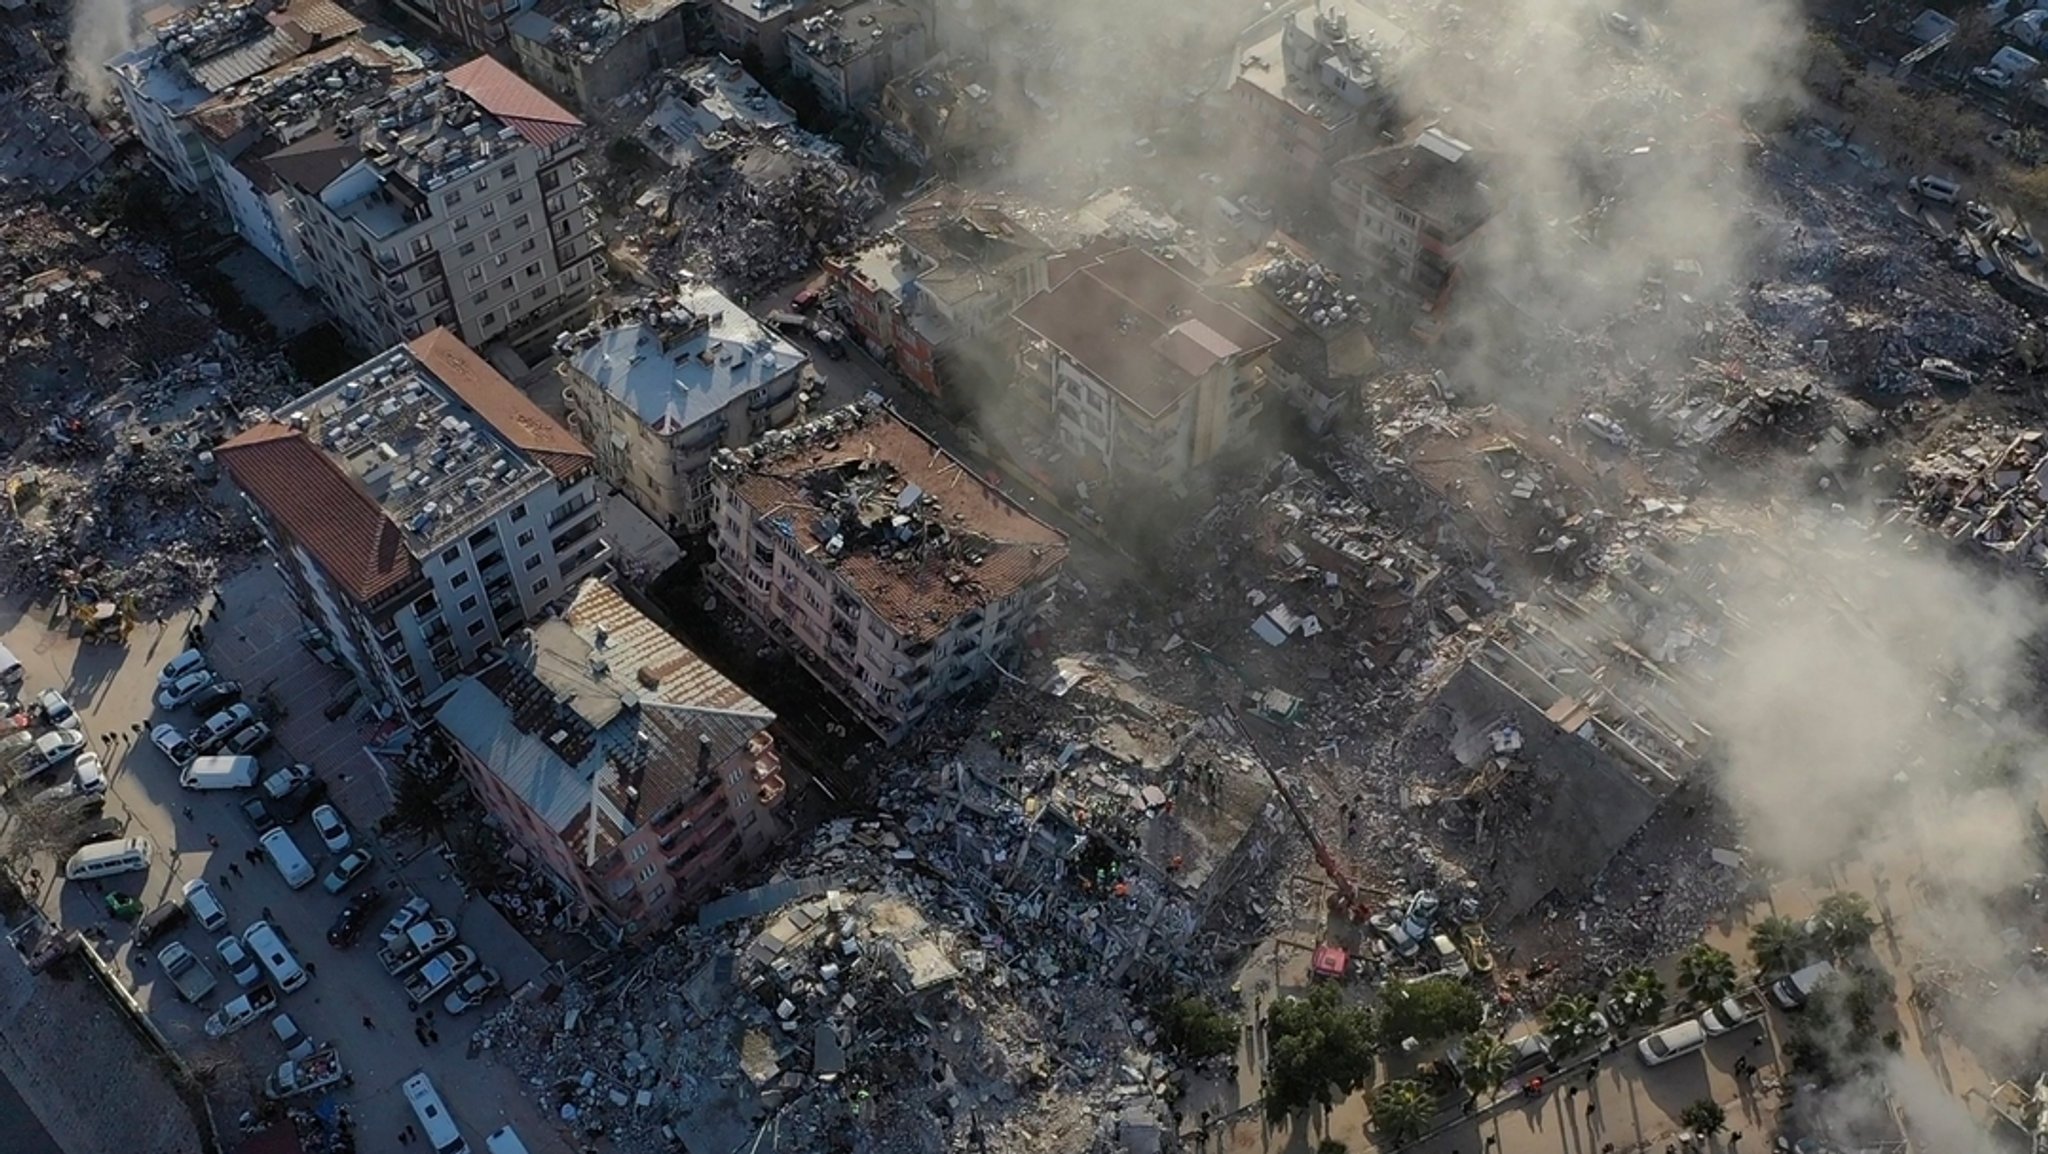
{"x":847,"y":54}
{"x":658,"y":387}
{"x":943,"y":285}
{"x":481,"y":25}
{"x":591,"y":53}
{"x":751,"y":31}
{"x":422,"y":511}
{"x":194,"y":55}
{"x":895,"y":574}
{"x":1415,"y":211}
{"x":453,"y":201}
{"x":1137,"y":371}
{"x":637,"y":775}
{"x":1316,"y":89}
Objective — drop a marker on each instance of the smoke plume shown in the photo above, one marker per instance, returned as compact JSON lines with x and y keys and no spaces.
{"x":100,"y":31}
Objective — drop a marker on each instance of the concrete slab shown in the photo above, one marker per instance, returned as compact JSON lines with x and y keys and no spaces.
{"x":290,"y":309}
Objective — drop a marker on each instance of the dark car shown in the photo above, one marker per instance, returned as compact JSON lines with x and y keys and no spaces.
{"x":249,"y":740}
{"x":99,"y":829}
{"x":160,"y":921}
{"x":257,"y":811}
{"x":299,"y":800}
{"x":348,"y":925}
{"x":216,"y":697}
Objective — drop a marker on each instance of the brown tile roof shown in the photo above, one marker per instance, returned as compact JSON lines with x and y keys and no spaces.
{"x":1141,"y":325}
{"x":520,"y":105}
{"x":918,"y":596}
{"x":322,"y":509}
{"x":500,"y":402}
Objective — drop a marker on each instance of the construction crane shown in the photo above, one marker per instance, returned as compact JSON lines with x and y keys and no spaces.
{"x":1347,"y":898}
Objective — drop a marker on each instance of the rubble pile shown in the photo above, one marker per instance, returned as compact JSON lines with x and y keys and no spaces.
{"x":765,"y":217}
{"x":1991,"y":495}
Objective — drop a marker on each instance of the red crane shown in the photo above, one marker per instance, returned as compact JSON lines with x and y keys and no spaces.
{"x":1347,"y":899}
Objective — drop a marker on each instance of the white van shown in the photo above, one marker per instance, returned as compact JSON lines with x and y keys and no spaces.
{"x":108,"y":857}
{"x":220,"y":773}
{"x":11,"y":672}
{"x":1675,"y":1042}
{"x":285,"y":855}
{"x":504,"y":1140}
{"x":1935,"y":189}
{"x":276,"y":957}
{"x":439,"y":1128}
{"x":1791,"y":991}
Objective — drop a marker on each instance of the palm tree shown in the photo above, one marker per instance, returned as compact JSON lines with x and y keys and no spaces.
{"x":1706,"y":974}
{"x":1778,"y":945}
{"x":1843,"y":923}
{"x":1704,"y":1117}
{"x":1573,"y":1023}
{"x":1400,"y":1110}
{"x":1486,"y":1063}
{"x":1637,"y":996}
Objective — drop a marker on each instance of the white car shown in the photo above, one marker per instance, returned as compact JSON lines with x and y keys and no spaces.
{"x":413,"y":910}
{"x":56,"y":710}
{"x":190,"y":661}
{"x":206,"y":908}
{"x":88,"y":776}
{"x":173,"y":744}
{"x":328,"y":824}
{"x":183,"y":689}
{"x":240,"y":962}
{"x":221,"y":725}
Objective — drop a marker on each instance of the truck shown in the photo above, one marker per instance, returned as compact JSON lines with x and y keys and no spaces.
{"x":186,"y":971}
{"x":440,"y":972}
{"x":419,"y":941}
{"x":220,"y":773}
{"x":242,"y":1011}
{"x":306,"y":1075}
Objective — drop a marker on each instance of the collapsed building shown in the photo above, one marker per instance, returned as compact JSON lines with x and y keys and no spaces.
{"x":1325,"y":352}
{"x":591,"y":53}
{"x":1414,"y":212}
{"x":896,"y":575}
{"x":1988,"y":498}
{"x":939,"y":115}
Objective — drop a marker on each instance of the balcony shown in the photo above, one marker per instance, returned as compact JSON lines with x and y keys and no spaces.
{"x":564,"y":512}
{"x":573,"y":536}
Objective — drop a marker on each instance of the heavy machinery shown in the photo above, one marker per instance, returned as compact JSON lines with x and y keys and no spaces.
{"x":1346,"y":897}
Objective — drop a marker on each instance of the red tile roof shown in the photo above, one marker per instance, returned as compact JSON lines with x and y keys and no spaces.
{"x":322,"y":509}
{"x":500,"y":402}
{"x":520,"y":105}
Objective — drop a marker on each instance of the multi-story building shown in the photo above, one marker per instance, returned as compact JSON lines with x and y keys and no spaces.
{"x":751,"y":30}
{"x":941,"y":114}
{"x":1138,"y":372}
{"x":422,"y":511}
{"x":945,"y":283}
{"x":592,"y":53}
{"x":635,"y":773}
{"x":895,"y":574}
{"x":658,"y":387}
{"x":1316,"y":89}
{"x":455,"y":200}
{"x":480,"y":24}
{"x":1415,"y":211}
{"x":195,"y":54}
{"x":1325,"y":352}
{"x":847,"y":54}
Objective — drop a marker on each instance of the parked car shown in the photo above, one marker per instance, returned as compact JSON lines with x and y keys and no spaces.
{"x":257,"y":813}
{"x":88,"y":775}
{"x":183,"y":690}
{"x":348,"y":925}
{"x":216,"y":695}
{"x":217,"y":729}
{"x":412,"y":911}
{"x":190,"y":661}
{"x":54,"y":748}
{"x":472,"y":992}
{"x":55,"y":709}
{"x":241,"y":964}
{"x":300,"y":798}
{"x":348,"y":869}
{"x":250,"y":739}
{"x":328,"y":824}
{"x":205,"y":906}
{"x":97,"y":829}
{"x":160,"y":921}
{"x":173,"y":744}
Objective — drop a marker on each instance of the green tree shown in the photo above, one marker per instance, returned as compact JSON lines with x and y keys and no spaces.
{"x":1485,"y":1064}
{"x":1322,"y":1047}
{"x":1401,"y":1110}
{"x":1704,"y":1117}
{"x":416,"y":802}
{"x":1573,"y":1023}
{"x":1430,"y":1009}
{"x":1195,"y":1030}
{"x":1637,"y":997}
{"x":1842,"y":924}
{"x":1778,"y":944}
{"x":1706,"y":974}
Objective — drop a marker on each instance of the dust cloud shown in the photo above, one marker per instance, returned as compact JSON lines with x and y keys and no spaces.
{"x":100,"y":31}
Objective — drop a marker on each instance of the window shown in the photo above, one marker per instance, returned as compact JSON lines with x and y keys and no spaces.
{"x":466,"y":604}
{"x":461,"y":223}
{"x":515,"y":197}
{"x":506,"y":284}
{"x":528,"y":246}
{"x":519,"y":513}
{"x":524,"y":219}
{"x":533,"y":562}
{"x":475,"y":627}
{"x":476,"y":273}
{"x":458,"y":581}
{"x":509,"y":171}
{"x":489,"y":319}
{"x":421,"y":246}
{"x":483,"y":182}
{"x":451,"y":554}
{"x":481,"y":297}
{"x":454,"y":198}
{"x":533,"y":269}
{"x":647,"y":872}
{"x":638,"y":852}
{"x":497,"y":234}
{"x":540,"y":587}
{"x":526,"y":538}
{"x":538,"y":292}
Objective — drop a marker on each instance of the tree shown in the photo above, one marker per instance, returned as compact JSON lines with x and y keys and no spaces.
{"x":1195,"y":1030}
{"x":416,"y":802}
{"x":1637,"y":997}
{"x":1485,"y":1064}
{"x":1401,"y":1110}
{"x":38,"y":826}
{"x":1319,"y":1045}
{"x":1573,"y":1023}
{"x":1706,"y":974}
{"x":1704,"y":1117}
{"x":1430,"y":1009}
{"x":1778,"y":945}
{"x":1842,"y":924}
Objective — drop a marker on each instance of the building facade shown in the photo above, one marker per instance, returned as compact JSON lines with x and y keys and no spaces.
{"x":422,"y":511}
{"x":591,"y":54}
{"x":482,"y":25}
{"x":892,"y":572}
{"x":1415,"y":211}
{"x":633,"y":772}
{"x":658,"y":388}
{"x":754,"y":28}
{"x":1138,"y":372}
{"x":846,"y":55}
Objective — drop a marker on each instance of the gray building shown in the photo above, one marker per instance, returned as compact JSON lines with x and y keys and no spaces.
{"x":593,"y":53}
{"x":848,"y":54}
{"x":756,"y":25}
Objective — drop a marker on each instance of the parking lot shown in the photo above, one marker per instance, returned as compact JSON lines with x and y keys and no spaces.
{"x":350,"y":1000}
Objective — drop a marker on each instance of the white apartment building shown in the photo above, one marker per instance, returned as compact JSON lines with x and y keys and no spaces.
{"x":422,"y":511}
{"x":456,"y":200}
{"x":895,"y":574}
{"x":659,"y":387}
